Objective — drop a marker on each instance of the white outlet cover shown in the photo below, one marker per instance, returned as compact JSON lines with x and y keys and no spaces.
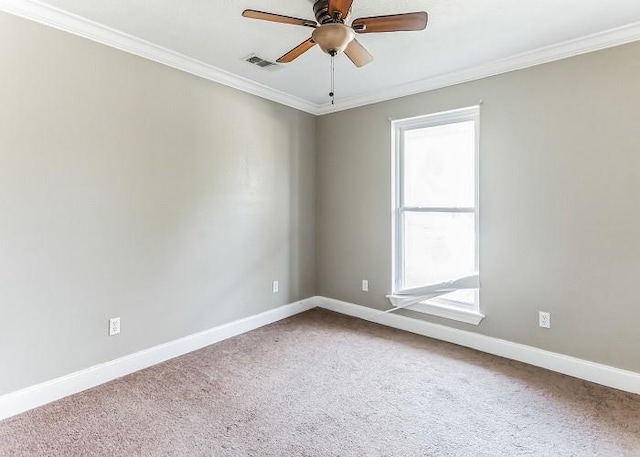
{"x":544,"y":319}
{"x":114,"y":326}
{"x":275,"y":287}
{"x":365,"y":285}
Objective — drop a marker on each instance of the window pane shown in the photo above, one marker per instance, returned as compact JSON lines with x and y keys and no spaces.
{"x":439,"y":166}
{"x":438,"y":247}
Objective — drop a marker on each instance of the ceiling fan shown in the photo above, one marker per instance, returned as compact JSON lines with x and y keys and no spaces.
{"x":334,"y":36}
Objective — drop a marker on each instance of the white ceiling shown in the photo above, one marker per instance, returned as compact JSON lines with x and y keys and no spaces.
{"x":461,"y":34}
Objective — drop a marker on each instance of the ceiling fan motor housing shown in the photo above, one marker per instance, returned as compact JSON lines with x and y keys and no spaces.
{"x":321,"y":11}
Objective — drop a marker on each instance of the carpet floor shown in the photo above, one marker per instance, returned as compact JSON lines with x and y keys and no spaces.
{"x":322,"y":384}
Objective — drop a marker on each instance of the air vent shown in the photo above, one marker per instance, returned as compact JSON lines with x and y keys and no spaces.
{"x":262,"y":63}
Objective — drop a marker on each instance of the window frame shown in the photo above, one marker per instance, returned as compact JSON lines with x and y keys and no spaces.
{"x":442,"y":307}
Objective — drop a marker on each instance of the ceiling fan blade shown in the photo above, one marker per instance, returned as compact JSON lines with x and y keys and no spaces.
{"x":297,"y":51}
{"x":253,"y":14}
{"x":341,"y":6}
{"x":392,"y":23}
{"x":358,"y":54}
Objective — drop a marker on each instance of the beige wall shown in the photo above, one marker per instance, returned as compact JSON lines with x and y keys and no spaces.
{"x":131,"y":189}
{"x":559,"y":203}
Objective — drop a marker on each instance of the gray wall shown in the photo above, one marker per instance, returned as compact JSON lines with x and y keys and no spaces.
{"x":131,"y":189}
{"x":559,"y":203}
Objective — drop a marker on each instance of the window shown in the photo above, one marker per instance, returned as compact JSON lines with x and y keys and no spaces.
{"x":436,"y":214}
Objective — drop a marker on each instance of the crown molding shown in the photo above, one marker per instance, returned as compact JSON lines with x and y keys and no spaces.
{"x":583,"y":45}
{"x":77,"y":25}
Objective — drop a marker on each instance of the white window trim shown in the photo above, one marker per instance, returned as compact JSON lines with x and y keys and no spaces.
{"x":439,"y":308}
{"x":445,"y":308}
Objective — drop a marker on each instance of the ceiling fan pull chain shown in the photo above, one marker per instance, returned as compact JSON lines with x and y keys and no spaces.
{"x":333,"y":84}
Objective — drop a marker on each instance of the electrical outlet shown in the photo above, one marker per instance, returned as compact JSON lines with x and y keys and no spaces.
{"x":365,"y":285}
{"x":275,"y":287}
{"x":544,"y":319}
{"x":114,"y":326}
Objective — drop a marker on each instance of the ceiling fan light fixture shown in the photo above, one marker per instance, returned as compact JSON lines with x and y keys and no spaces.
{"x":333,"y":38}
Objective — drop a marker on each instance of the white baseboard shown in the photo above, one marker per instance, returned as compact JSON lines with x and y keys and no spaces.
{"x":590,"y":371}
{"x":46,"y":392}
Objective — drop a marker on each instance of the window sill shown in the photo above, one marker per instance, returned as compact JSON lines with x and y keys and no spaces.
{"x":448,"y":312}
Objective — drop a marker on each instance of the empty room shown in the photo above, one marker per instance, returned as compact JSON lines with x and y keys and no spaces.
{"x":320,"y":228}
